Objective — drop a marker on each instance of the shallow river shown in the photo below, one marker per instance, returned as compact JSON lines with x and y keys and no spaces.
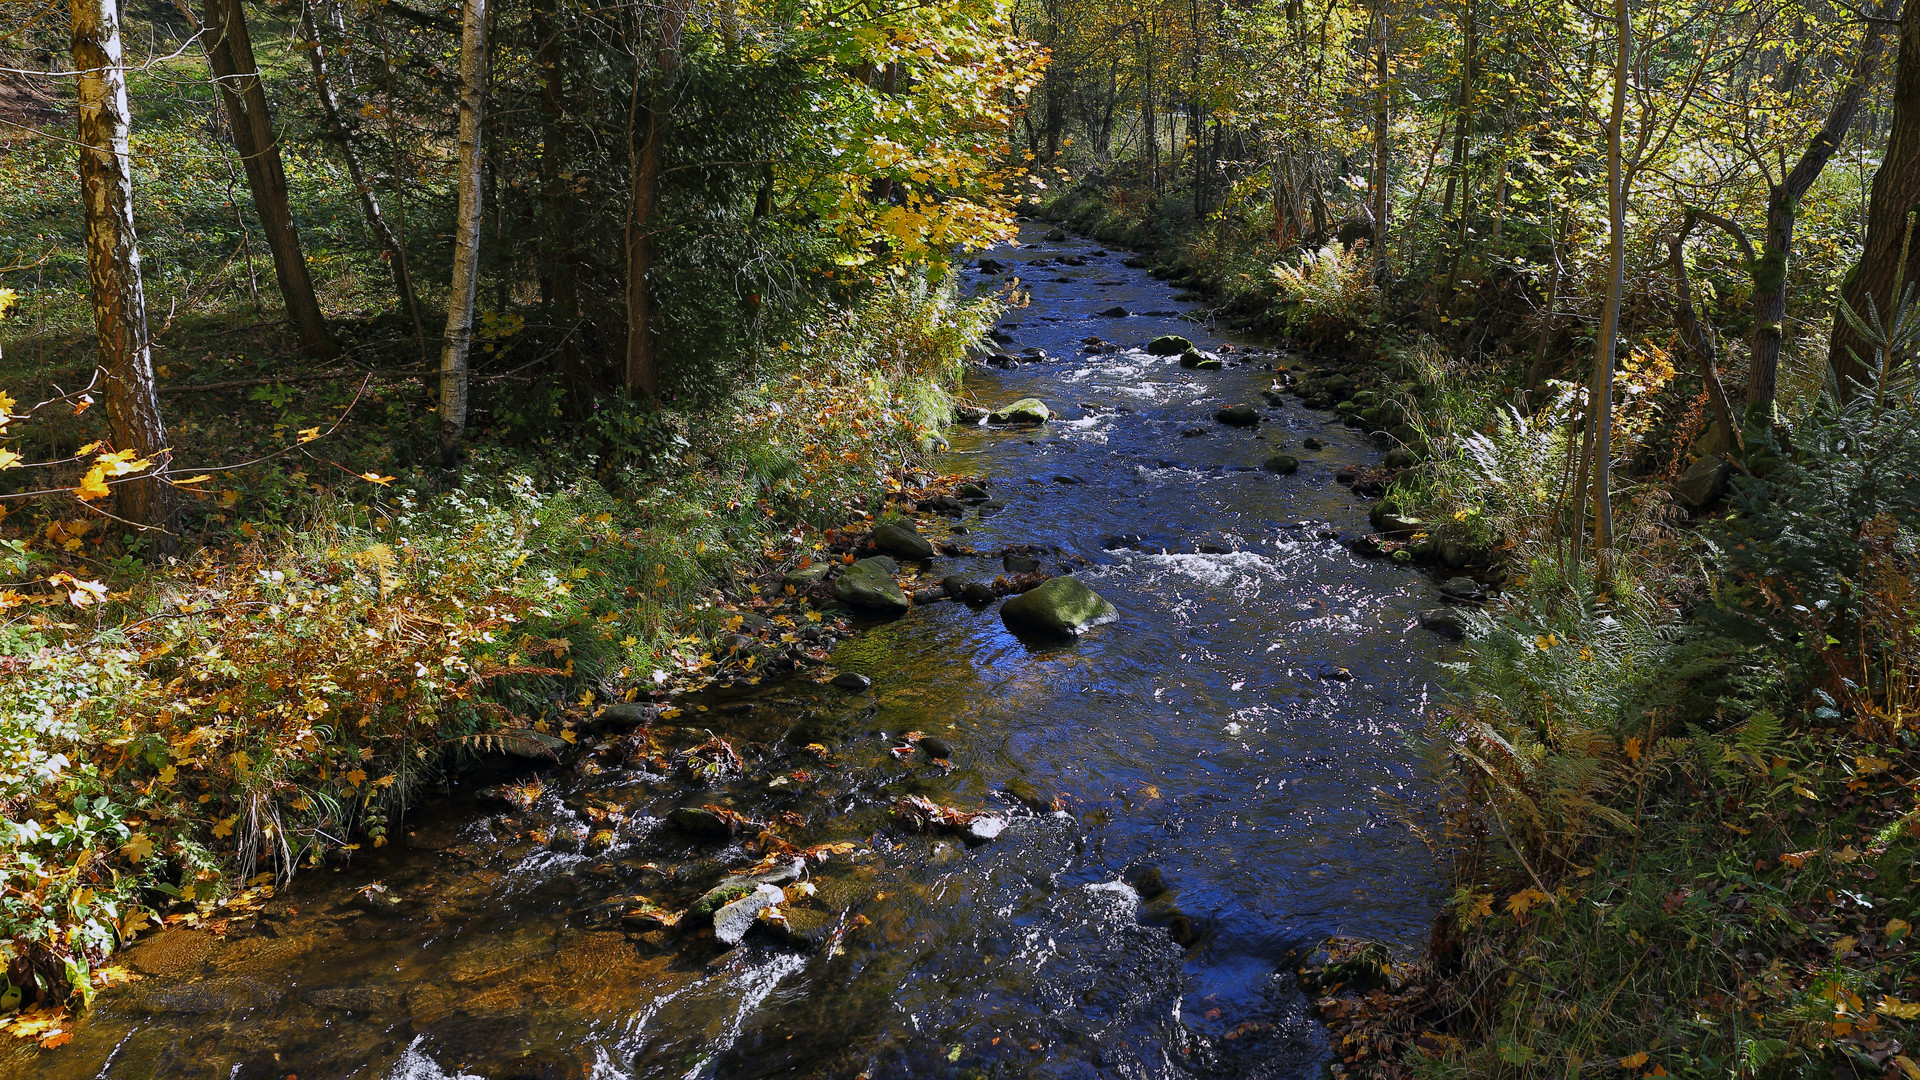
{"x":1230,"y":763}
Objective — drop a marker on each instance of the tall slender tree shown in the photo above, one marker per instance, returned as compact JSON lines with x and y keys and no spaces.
{"x":230,"y":54}
{"x":655,"y":68}
{"x":113,"y":259}
{"x":458,"y":341}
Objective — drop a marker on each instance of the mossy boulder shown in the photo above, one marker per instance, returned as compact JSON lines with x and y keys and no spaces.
{"x":1024,"y":411}
{"x":902,"y":541}
{"x":869,"y":585}
{"x":1195,"y":360}
{"x":1281,"y":463}
{"x":1058,"y":607}
{"x":1169,"y":345}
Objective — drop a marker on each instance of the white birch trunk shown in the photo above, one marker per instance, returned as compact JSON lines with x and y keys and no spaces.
{"x":466,"y":241}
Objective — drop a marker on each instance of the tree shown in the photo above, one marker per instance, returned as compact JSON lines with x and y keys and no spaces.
{"x":230,"y":55}
{"x":1783,"y":207}
{"x":113,"y":260}
{"x":1597,"y":459}
{"x":343,"y":133}
{"x":652,"y":78}
{"x":1896,"y":191}
{"x":458,"y":342}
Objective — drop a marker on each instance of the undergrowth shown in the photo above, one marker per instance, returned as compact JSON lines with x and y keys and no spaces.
{"x":178,"y":734}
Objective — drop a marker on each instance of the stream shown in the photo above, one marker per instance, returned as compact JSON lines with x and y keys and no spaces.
{"x":1196,"y":795}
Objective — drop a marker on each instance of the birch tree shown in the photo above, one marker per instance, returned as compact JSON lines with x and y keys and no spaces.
{"x":113,"y":259}
{"x":458,"y":342}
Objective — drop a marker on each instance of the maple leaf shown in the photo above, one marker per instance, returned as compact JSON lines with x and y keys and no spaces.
{"x":93,"y":485}
{"x":1634,"y":1060}
{"x":1524,"y":900}
{"x":376,"y":478}
{"x":137,"y":848}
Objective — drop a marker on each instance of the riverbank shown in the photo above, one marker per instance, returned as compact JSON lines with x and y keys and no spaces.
{"x":184,"y":736}
{"x":1680,"y":829}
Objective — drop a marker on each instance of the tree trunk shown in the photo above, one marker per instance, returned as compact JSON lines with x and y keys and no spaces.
{"x":1462,"y":110}
{"x":230,"y":54}
{"x":1380,"y":147}
{"x":1698,"y":337}
{"x":113,"y":261}
{"x":643,"y":361}
{"x":458,"y":341}
{"x":1783,"y":206}
{"x":342,"y":133}
{"x":1896,"y":191}
{"x":557,"y":245}
{"x":1597,"y":460}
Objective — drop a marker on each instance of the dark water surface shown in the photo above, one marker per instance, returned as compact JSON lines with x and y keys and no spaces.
{"x":1225,"y":801}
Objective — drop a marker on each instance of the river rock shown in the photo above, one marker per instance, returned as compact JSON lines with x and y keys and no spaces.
{"x":976,"y":593}
{"x":937,"y":747}
{"x":869,"y":584}
{"x":968,"y":414}
{"x":902,"y":541}
{"x":986,"y":827}
{"x":702,"y":822}
{"x":1016,"y":563}
{"x":735,"y":886}
{"x":955,"y":585}
{"x":1114,"y":312}
{"x":990,"y":266}
{"x":852,"y":681}
{"x":1281,"y":463}
{"x":360,"y":999}
{"x":731,"y":923}
{"x":204,"y":996}
{"x":1056,"y":236}
{"x":626,"y":714}
{"x":1169,"y":345}
{"x":1061,"y":606}
{"x":1400,"y":459}
{"x":1463,"y":590}
{"x":972,"y":493}
{"x":931,"y":595}
{"x":1195,"y":360}
{"x":1447,"y":624}
{"x":1238,"y":416}
{"x":1024,"y":411}
{"x":1311,"y":443}
{"x":1704,"y":482}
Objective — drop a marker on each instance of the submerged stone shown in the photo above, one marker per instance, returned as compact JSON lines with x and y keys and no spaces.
{"x":1281,"y":463}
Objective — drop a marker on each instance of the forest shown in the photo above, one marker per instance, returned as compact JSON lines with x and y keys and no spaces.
{"x":594,"y":431}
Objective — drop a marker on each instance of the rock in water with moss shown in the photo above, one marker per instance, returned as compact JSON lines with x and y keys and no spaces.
{"x":1058,"y":607}
{"x":1025,"y":411}
{"x":902,"y":541}
{"x":869,"y":585}
{"x":1196,"y":360}
{"x":1169,"y":345}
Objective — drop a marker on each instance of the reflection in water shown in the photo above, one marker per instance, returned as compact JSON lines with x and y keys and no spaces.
{"x":1195,"y":793}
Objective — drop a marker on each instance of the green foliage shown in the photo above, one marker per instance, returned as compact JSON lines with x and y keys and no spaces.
{"x":1327,"y":297}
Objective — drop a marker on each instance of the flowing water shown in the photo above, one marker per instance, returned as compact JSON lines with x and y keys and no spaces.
{"x":1196,"y":794}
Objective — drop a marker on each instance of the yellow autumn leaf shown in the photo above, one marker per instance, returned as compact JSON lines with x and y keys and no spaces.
{"x":137,"y":847}
{"x":1634,"y":1060}
{"x":9,"y":459}
{"x":224,"y":827}
{"x":1524,"y":900}
{"x":376,"y":478}
{"x":93,"y":485}
{"x":357,"y":777}
{"x":307,"y":435}
{"x":1900,"y":1010}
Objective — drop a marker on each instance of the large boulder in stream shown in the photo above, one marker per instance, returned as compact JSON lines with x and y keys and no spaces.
{"x":1025,"y":411}
{"x":1169,"y":345}
{"x":1238,"y":416}
{"x":1195,"y":360}
{"x":902,"y":541}
{"x":1058,"y":607}
{"x":869,"y":585}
